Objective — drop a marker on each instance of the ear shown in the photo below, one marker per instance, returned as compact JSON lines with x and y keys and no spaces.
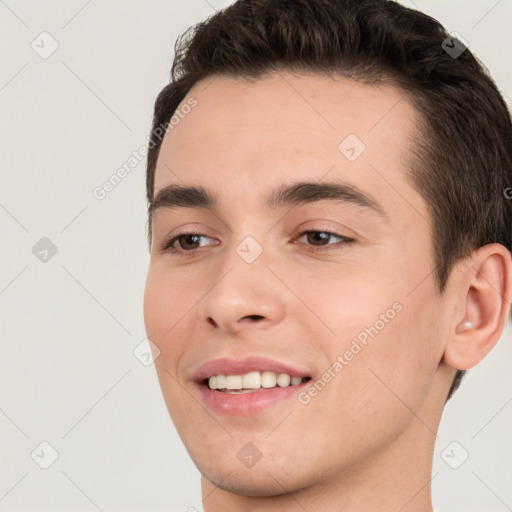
{"x":485,"y":284}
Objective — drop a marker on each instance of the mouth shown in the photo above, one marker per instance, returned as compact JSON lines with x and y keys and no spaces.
{"x":252,"y":382}
{"x":248,"y":386}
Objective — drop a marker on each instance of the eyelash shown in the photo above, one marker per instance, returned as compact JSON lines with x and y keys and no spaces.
{"x":167,"y":246}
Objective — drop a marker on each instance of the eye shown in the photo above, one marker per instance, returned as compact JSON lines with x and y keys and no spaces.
{"x":183,"y":239}
{"x":317,"y":238}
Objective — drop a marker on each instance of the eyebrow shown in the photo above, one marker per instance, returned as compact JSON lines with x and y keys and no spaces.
{"x":294,"y":194}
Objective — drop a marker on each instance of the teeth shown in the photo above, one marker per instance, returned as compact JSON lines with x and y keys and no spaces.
{"x":296,"y":380}
{"x":250,"y":380}
{"x":283,"y":380}
{"x":253,"y":380}
{"x":268,"y":380}
{"x":232,"y":382}
{"x":220,"y":382}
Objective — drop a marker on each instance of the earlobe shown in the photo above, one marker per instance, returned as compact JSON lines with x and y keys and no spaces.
{"x":486,"y":282}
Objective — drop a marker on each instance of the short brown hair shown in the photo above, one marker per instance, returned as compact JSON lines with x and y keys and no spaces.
{"x":462,"y":154}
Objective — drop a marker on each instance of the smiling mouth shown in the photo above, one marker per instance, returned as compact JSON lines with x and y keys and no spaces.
{"x":252,"y":382}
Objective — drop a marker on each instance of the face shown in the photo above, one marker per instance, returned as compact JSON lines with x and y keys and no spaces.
{"x":326,"y":286}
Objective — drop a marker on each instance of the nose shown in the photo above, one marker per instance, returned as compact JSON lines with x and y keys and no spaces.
{"x":247,"y":319}
{"x":245,"y":296}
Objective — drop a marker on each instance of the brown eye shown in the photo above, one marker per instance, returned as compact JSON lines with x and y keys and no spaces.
{"x":319,"y":239}
{"x":183,"y":242}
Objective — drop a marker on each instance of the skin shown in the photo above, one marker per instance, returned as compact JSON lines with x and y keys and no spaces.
{"x":365,"y":442}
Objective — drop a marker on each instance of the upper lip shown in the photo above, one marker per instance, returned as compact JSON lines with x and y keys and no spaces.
{"x":229,"y":366}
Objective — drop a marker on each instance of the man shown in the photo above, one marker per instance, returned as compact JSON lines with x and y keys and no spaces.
{"x":330,"y":249}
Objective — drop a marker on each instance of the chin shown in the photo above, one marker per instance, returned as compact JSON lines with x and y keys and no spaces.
{"x":250,"y":482}
{"x":272,"y":475}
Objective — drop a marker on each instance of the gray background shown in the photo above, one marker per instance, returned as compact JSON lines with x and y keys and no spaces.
{"x":70,"y":324}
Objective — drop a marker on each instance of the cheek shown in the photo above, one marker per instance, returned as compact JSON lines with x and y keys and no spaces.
{"x":399,"y":361}
{"x":347,"y":303}
{"x":382,"y":332}
{"x":165,"y":302}
{"x":152,"y":302}
{"x":163,"y":309}
{"x":386,"y":378}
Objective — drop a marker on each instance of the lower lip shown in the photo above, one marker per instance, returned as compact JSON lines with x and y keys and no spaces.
{"x":247,"y":404}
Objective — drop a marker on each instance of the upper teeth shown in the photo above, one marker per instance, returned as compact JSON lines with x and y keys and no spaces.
{"x":252,"y":380}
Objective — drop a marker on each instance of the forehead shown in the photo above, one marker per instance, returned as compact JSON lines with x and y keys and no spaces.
{"x":286,"y":127}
